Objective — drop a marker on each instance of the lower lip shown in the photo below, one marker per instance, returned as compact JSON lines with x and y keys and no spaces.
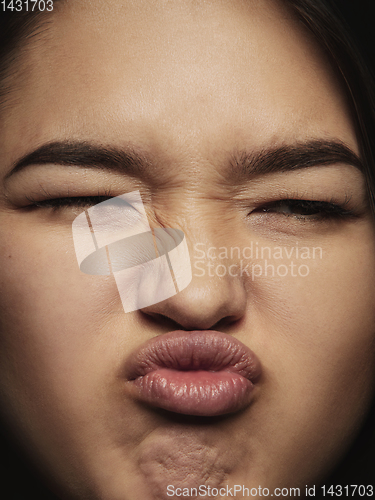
{"x":200,"y":392}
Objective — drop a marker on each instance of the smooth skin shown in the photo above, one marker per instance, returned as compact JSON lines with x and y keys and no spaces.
{"x":187,"y":85}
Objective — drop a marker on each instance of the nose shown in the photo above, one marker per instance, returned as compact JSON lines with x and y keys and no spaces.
{"x":211,"y":300}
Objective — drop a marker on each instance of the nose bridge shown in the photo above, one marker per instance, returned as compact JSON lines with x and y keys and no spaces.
{"x":216,"y":293}
{"x":212,"y":234}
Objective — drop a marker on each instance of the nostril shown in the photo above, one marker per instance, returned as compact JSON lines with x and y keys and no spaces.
{"x":203,"y":305}
{"x":161,"y":321}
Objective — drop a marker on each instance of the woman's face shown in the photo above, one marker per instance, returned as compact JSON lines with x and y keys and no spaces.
{"x":230,"y":108}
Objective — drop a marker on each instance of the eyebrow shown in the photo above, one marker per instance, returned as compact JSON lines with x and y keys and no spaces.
{"x":293,"y":157}
{"x":83,"y":154}
{"x":243,"y":163}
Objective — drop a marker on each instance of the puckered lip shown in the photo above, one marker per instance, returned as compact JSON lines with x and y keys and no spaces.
{"x":201,"y":372}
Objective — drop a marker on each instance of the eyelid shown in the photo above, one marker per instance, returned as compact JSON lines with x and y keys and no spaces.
{"x":321,"y":209}
{"x":66,"y":201}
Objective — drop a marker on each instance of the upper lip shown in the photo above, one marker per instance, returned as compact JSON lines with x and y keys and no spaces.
{"x":194,"y":350}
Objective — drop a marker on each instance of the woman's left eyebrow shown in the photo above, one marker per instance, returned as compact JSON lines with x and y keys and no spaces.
{"x":289,"y":157}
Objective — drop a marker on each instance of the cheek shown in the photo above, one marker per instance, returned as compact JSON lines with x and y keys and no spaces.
{"x":337,"y":309}
{"x":52,"y":316}
{"x":315,"y":336}
{"x":328,"y":311}
{"x":63,"y":336}
{"x":41,"y":278}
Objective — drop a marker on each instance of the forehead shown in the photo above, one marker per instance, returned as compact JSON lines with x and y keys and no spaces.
{"x":176,"y":74}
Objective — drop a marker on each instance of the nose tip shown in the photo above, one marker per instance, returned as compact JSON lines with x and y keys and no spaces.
{"x":206,"y":303}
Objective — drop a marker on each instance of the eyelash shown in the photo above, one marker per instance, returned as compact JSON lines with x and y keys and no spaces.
{"x":299,"y":209}
{"x":308,"y":209}
{"x":76,"y":201}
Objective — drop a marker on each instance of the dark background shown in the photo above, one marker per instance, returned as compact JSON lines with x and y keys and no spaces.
{"x":359,"y":16}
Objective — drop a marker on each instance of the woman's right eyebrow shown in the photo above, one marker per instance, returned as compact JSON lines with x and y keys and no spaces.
{"x":243,"y":163}
{"x":84,"y":154}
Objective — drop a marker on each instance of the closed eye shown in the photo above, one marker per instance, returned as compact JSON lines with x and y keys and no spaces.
{"x":71,"y":201}
{"x":307,"y":209}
